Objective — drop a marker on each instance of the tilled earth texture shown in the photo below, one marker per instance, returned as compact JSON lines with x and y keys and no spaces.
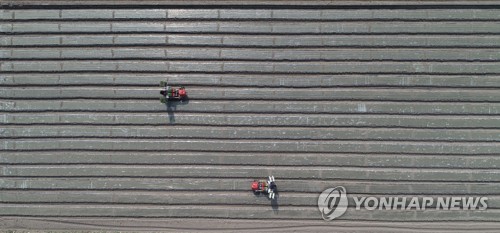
{"x":384,"y":98}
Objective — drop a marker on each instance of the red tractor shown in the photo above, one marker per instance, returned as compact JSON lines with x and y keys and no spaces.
{"x":171,"y":93}
{"x":262,"y":186}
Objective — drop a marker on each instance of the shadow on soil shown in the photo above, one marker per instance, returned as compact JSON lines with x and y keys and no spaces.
{"x":274,"y":202}
{"x":171,"y":107}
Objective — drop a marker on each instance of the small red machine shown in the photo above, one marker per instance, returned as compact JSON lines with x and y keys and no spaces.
{"x":262,"y":186}
{"x":171,"y":93}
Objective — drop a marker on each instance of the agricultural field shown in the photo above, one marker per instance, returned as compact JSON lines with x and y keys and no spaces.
{"x":394,"y":100}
